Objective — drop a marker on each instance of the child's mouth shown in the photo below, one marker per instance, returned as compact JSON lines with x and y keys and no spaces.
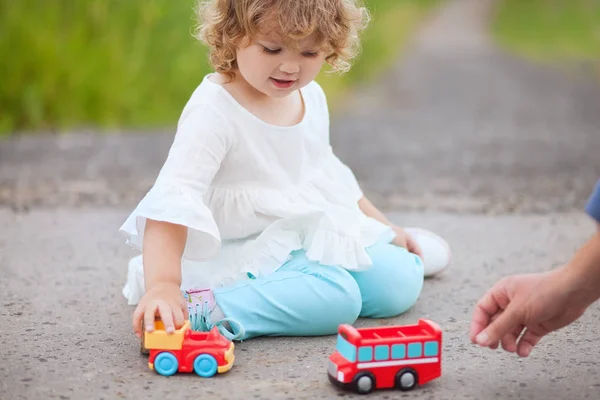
{"x":282,"y":84}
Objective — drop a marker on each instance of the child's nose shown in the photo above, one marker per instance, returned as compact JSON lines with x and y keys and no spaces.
{"x":289,"y":68}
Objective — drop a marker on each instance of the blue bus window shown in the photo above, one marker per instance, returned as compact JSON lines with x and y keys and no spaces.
{"x":347,"y":350}
{"x":382,"y":352}
{"x":398,"y":351}
{"x":414,"y":350}
{"x":431,"y":349}
{"x":365,"y":353}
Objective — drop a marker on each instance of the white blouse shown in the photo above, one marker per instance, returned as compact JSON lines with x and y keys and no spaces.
{"x":250,"y":193}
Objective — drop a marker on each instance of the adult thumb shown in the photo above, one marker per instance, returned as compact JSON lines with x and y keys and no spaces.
{"x":505,"y":323}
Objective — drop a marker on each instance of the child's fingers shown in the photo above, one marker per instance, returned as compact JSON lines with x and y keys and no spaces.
{"x":401,"y":243}
{"x":149,"y":317}
{"x":178,"y":316}
{"x":136,"y":319}
{"x":400,"y":240}
{"x":183,"y":306}
{"x":166,"y":315}
{"x":413,"y":246}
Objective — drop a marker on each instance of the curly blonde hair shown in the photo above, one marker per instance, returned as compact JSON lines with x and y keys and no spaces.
{"x":336,"y":24}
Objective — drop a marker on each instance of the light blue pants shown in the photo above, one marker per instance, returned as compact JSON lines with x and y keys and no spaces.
{"x":305,"y":298}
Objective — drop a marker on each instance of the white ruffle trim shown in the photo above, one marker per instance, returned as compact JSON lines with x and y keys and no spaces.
{"x":176,"y":205}
{"x":269,"y":251}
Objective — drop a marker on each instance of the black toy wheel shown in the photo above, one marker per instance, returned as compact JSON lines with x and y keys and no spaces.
{"x":364,"y":383}
{"x":406,"y":379}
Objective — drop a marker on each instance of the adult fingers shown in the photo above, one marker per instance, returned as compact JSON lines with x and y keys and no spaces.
{"x":507,"y":322}
{"x":509,"y":341}
{"x":527,"y":342}
{"x":486,"y":309}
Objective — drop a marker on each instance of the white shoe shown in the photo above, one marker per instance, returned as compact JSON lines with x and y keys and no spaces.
{"x":437,"y":255}
{"x":134,"y":286}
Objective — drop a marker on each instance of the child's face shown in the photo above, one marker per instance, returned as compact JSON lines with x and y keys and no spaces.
{"x":276,"y":70}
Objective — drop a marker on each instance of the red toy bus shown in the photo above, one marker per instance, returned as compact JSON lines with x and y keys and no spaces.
{"x":399,"y":357}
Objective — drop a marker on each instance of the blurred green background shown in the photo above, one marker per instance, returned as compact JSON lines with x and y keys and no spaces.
{"x":563,"y":31}
{"x":133,"y":64}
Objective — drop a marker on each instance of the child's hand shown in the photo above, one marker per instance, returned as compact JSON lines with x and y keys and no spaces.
{"x":164,"y":299}
{"x":539,"y":303}
{"x":405,"y":240}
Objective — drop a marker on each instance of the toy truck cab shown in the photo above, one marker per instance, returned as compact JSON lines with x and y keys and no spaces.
{"x":185,"y":350}
{"x":399,"y":357}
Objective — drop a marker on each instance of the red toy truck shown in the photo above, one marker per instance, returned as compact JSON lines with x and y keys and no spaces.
{"x":185,"y":350}
{"x":386,"y":357}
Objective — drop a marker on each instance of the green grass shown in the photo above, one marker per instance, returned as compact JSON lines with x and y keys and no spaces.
{"x":550,"y":30}
{"x":134,"y":64}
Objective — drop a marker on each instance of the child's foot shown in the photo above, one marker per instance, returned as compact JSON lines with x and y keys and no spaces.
{"x":437,"y":255}
{"x":203,"y":308}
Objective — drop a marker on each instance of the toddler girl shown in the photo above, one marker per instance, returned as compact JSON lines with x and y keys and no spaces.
{"x":252,"y":214}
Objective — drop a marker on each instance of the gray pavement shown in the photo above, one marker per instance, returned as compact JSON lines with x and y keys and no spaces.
{"x":65,"y":330}
{"x":461,"y":126}
{"x":495,"y":154}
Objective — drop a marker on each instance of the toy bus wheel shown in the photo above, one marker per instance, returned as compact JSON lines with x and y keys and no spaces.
{"x":406,"y":379}
{"x":205,"y":365}
{"x":166,"y":364}
{"x":364,"y":383}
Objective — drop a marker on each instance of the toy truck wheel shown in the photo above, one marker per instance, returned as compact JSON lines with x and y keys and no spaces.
{"x":166,"y":364}
{"x":364,"y":383}
{"x":205,"y":365}
{"x":406,"y":379}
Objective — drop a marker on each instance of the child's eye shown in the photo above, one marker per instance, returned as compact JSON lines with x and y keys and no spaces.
{"x":310,"y":54}
{"x":271,"y":51}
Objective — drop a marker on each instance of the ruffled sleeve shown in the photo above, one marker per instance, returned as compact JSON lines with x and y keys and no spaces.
{"x":201,"y":143}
